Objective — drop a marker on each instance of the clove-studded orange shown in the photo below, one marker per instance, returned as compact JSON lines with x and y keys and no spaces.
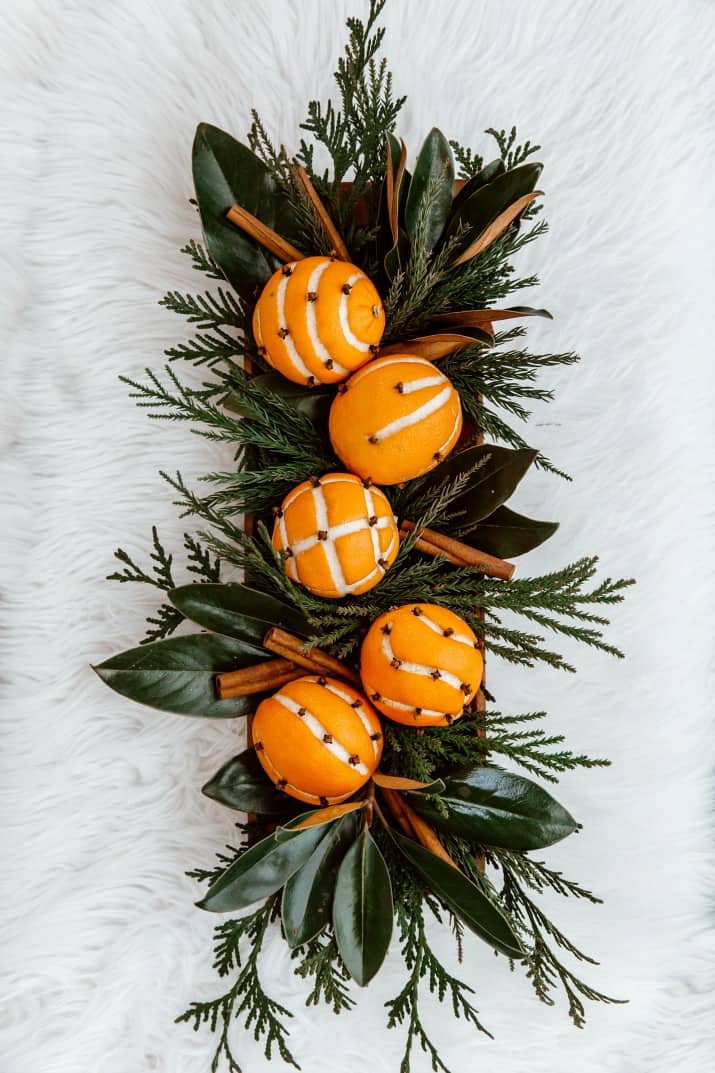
{"x":395,"y":419}
{"x":337,"y":534}
{"x":317,"y":320}
{"x":421,"y":665}
{"x":317,"y":739}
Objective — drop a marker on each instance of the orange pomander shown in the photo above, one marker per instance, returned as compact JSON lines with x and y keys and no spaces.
{"x":338,"y":535}
{"x":317,"y":320}
{"x":317,"y":739}
{"x":420,"y":665}
{"x":395,"y":419}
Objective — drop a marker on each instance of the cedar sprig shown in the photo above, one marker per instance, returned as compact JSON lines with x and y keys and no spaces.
{"x":511,"y":152}
{"x":201,"y":260}
{"x":167,"y":618}
{"x":246,"y":996}
{"x":546,"y":971}
{"x":321,"y":962}
{"x":354,"y":133}
{"x":423,"y":967}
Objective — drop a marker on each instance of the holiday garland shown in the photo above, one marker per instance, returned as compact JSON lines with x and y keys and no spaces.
{"x":357,"y":362}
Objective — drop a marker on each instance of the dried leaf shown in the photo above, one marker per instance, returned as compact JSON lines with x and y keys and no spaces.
{"x":496,"y":228}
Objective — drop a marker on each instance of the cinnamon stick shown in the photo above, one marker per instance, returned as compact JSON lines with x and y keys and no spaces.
{"x":254,"y":227}
{"x":261,"y":678}
{"x":424,"y":834}
{"x":312,"y":659}
{"x":339,"y":247}
{"x":438,"y":545}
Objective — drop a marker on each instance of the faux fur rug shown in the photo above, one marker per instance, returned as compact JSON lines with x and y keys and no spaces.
{"x":102,"y":946}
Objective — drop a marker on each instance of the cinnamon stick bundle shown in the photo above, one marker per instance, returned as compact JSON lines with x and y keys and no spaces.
{"x":267,"y":237}
{"x":454,"y":551}
{"x":261,"y":678}
{"x":313,"y":660}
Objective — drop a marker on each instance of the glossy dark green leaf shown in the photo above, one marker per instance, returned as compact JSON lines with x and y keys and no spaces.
{"x":260,"y":871}
{"x":463,"y":897}
{"x":433,"y":183}
{"x":507,"y":534}
{"x":485,"y":204}
{"x":362,"y":909}
{"x":488,"y":173}
{"x":243,"y":784}
{"x":489,"y":486}
{"x":308,"y":894}
{"x":226,"y":172}
{"x":493,"y":807}
{"x":313,"y":402}
{"x":236,"y":610}
{"x":178,"y":675}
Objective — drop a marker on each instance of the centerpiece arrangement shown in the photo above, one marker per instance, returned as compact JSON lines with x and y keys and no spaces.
{"x":365,"y":368}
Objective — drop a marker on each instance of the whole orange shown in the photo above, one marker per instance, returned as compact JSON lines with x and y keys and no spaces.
{"x":317,"y":739}
{"x":421,"y":665}
{"x":317,"y":320}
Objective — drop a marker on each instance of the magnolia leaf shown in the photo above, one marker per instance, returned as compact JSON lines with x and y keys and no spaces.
{"x":260,"y":871}
{"x":487,"y":202}
{"x":463,"y":897}
{"x":362,"y":909}
{"x":178,"y":675}
{"x":493,"y":807}
{"x":431,"y":189}
{"x":243,"y":784}
{"x":507,"y":534}
{"x":478,"y":318}
{"x":488,"y":173}
{"x":236,"y":610}
{"x":496,"y":228}
{"x":318,"y":817}
{"x":398,"y":782}
{"x":227,"y":173}
{"x":489,"y":486}
{"x":308,"y":894}
{"x":439,"y":345}
{"x":396,"y":159}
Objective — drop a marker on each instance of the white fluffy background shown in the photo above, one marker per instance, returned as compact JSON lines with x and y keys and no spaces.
{"x":101,"y":804}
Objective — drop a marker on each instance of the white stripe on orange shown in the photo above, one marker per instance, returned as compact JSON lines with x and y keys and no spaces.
{"x":298,"y":363}
{"x":384,"y":363}
{"x":419,"y":668}
{"x":399,"y":706}
{"x":461,"y":638}
{"x":350,"y":337}
{"x":360,"y":712}
{"x":316,"y":728}
{"x":426,"y":410}
{"x":277,"y":777}
{"x":417,"y":385}
{"x":321,"y":350}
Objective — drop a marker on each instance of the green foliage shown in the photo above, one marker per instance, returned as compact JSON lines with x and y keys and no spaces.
{"x":246,"y":996}
{"x":546,"y":970}
{"x":277,"y":433}
{"x":424,"y":966}
{"x":166,"y":618}
{"x":354,"y":132}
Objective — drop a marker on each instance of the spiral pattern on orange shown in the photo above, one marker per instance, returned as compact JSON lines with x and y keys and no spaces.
{"x":395,"y":419}
{"x":317,"y":739}
{"x":317,"y":320}
{"x":338,"y":535}
{"x":421,"y":665}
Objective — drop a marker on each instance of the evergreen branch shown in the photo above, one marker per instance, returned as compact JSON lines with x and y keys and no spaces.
{"x":422,"y":964}
{"x":246,"y":995}
{"x":165,"y":620}
{"x":321,"y":960}
{"x":545,"y":969}
{"x":201,"y":260}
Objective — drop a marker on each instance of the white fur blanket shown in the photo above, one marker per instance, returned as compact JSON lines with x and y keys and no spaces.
{"x":102,"y":946}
